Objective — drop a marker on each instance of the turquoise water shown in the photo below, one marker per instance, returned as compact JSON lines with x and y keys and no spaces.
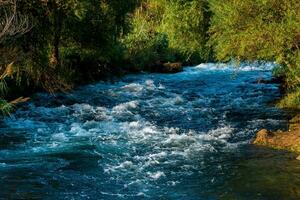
{"x":150,"y":136}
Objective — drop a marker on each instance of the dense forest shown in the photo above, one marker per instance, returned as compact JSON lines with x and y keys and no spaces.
{"x":53,"y":45}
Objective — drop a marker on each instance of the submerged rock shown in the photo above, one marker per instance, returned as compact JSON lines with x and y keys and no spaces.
{"x":289,"y":140}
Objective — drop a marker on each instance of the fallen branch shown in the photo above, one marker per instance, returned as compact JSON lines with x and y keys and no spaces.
{"x":19,"y":100}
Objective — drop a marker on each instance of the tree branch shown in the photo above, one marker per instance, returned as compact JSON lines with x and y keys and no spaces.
{"x":12,"y":22}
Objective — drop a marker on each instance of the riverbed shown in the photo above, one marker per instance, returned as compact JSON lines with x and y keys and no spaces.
{"x":151,"y":136}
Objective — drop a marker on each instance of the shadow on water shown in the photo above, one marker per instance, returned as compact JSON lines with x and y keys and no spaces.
{"x":263,"y":174}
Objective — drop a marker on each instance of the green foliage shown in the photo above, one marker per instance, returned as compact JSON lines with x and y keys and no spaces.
{"x":70,"y":39}
{"x":186,"y":24}
{"x":168,"y":31}
{"x":146,"y":49}
{"x":144,"y":45}
{"x":91,"y":37}
{"x":258,"y":30}
{"x":291,"y":100}
{"x":5,"y":107}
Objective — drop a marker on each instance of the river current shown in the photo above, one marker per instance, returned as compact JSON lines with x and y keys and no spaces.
{"x":179,"y":136}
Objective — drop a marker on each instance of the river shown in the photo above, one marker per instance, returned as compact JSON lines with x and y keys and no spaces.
{"x":151,"y":136}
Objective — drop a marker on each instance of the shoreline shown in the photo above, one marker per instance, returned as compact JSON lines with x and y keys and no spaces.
{"x":282,"y":140}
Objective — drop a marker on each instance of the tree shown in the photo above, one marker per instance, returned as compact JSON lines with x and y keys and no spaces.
{"x":258,"y":30}
{"x":168,"y":31}
{"x":12,"y":24}
{"x":186,"y":24}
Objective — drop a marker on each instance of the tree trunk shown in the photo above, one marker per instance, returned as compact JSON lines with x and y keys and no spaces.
{"x":55,"y":58}
{"x":57,"y":23}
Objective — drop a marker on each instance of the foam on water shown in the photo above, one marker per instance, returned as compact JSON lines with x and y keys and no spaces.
{"x":144,"y":136}
{"x":238,"y":67}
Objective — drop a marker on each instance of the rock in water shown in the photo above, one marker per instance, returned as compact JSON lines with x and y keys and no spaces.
{"x":289,"y":140}
{"x":261,"y":137}
{"x":172,"y":67}
{"x":168,"y":68}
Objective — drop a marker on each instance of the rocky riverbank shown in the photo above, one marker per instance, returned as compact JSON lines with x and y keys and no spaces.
{"x":285,"y":140}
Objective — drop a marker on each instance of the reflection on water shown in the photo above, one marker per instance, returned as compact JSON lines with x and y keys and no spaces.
{"x":150,"y":136}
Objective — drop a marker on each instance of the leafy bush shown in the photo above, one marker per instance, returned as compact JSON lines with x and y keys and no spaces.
{"x":146,"y":49}
{"x":291,"y":100}
{"x":258,"y":30}
{"x":186,"y":24}
{"x":168,"y":31}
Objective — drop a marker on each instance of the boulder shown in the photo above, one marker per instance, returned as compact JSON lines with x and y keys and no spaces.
{"x":168,"y":68}
{"x":262,"y":137}
{"x":289,"y":140}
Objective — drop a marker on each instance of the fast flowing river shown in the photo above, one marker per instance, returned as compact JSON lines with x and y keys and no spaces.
{"x":150,"y":136}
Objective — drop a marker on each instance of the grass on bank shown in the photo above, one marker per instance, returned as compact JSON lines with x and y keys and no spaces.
{"x":291,"y":100}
